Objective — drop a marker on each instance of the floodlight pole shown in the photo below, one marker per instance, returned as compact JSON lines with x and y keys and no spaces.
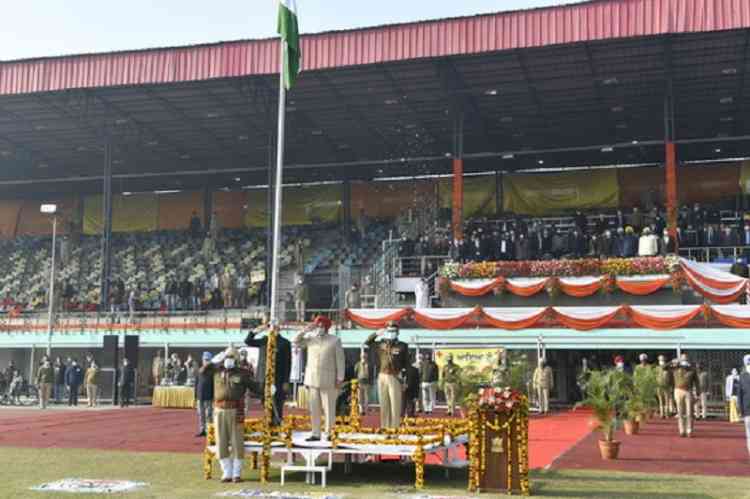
{"x":277,"y":198}
{"x":50,"y":308}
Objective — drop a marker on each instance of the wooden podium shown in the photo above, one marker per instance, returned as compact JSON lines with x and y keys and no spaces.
{"x":500,"y":461}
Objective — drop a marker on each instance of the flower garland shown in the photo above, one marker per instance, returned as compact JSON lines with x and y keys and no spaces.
{"x":270,"y":377}
{"x":561,"y":268}
{"x":484,"y":415}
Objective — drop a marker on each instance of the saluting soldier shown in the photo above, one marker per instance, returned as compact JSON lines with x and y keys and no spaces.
{"x":450,"y":376}
{"x":230,"y":384}
{"x":393,"y":357}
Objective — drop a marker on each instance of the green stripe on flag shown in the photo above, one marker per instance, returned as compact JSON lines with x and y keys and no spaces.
{"x":289,"y":31}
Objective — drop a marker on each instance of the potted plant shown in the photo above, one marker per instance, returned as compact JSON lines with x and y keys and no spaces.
{"x":607,"y":393}
{"x":644,"y":399}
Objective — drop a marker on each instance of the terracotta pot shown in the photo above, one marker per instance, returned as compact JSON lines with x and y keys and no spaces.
{"x":631,"y":427}
{"x":609,"y":450}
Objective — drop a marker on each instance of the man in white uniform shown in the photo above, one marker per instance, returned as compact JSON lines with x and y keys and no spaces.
{"x":324,"y":374}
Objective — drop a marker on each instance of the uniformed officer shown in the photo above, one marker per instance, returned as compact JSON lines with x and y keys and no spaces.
{"x":451,"y":376}
{"x":664,"y":388}
{"x":543,"y":381}
{"x":643,"y":363}
{"x":230,"y":384}
{"x":393,"y":357}
{"x":685,"y":382}
{"x":500,"y":378}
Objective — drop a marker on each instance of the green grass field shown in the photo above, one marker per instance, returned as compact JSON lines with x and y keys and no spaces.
{"x":180,"y":476}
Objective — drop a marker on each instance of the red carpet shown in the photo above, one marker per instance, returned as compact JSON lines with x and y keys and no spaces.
{"x":172,"y":430}
{"x":717,"y":448}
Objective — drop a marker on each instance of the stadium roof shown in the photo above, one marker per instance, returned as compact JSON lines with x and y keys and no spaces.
{"x":580,"y":84}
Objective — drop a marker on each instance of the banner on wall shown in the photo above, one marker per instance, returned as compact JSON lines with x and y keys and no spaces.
{"x":303,"y":205}
{"x":479,"y":195}
{"x":31,"y":222}
{"x":176,"y":209}
{"x":478,"y":358}
{"x":552,"y":193}
{"x":134,"y":213}
{"x":388,"y":199}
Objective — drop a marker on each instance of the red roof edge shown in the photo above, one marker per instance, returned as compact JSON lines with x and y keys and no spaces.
{"x":571,"y":23}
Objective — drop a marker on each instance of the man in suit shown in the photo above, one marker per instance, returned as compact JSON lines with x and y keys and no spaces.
{"x":393,"y":356}
{"x":126,"y":382}
{"x":283,"y":367}
{"x":324,"y":374}
{"x":204,"y":394}
{"x":73,"y":379}
{"x":743,"y":398}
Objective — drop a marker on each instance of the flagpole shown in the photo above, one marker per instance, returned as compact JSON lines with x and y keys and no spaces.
{"x":277,"y":193}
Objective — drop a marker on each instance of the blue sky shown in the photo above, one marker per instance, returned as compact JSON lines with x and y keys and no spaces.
{"x":37,"y":28}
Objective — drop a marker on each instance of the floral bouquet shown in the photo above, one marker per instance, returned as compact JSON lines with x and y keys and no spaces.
{"x":499,"y":399}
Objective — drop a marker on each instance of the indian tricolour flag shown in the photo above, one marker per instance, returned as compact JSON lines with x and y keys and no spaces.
{"x":289,"y":31}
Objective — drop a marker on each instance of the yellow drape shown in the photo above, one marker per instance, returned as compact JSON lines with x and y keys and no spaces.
{"x":135,"y":213}
{"x":553,"y":193}
{"x":301,"y":205}
{"x":479,"y":195}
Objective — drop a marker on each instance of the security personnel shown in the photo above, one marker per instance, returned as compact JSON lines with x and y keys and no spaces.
{"x":45,"y":377}
{"x":230,"y":384}
{"x":500,"y":374}
{"x":543,"y":381}
{"x":450,"y":376}
{"x":685,"y":382}
{"x":393,"y":358}
{"x":664,"y":386}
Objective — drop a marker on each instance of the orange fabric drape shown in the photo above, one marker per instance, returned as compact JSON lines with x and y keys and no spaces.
{"x":720,"y":299}
{"x":585,"y":324}
{"x":581,"y":291}
{"x":663,"y":323}
{"x":525,"y":290}
{"x":9,"y":211}
{"x":476,"y":291}
{"x":430,"y":323}
{"x":516,"y":325}
{"x":641,"y":288}
{"x":230,"y":208}
{"x":712,"y":283}
{"x":728,"y":320}
{"x":458,"y":198}
{"x":176,"y":209}
{"x":377,"y":323}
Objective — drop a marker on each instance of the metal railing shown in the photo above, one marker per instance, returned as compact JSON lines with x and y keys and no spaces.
{"x":713,"y":253}
{"x":418,"y":266}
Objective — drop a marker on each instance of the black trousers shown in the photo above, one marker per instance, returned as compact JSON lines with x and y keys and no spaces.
{"x":278,"y":404}
{"x":126,"y":394}
{"x":73,"y":394}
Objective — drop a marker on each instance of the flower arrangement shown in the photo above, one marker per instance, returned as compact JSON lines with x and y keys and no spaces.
{"x":562,"y":268}
{"x":500,"y":399}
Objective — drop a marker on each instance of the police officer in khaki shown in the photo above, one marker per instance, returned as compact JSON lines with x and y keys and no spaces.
{"x":362,"y":371}
{"x":664,"y":388}
{"x":393,"y":357}
{"x":543,"y":381}
{"x":45,"y":377}
{"x":450,"y":377}
{"x":230,"y":384}
{"x":685,"y":382}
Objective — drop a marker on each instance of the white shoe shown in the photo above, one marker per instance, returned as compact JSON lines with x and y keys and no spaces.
{"x":226,"y":468}
{"x":237,"y":469}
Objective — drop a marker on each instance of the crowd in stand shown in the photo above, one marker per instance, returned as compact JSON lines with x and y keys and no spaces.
{"x":603,"y":235}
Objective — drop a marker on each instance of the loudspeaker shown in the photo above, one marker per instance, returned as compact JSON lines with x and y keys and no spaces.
{"x":131,"y":350}
{"x":109,"y":354}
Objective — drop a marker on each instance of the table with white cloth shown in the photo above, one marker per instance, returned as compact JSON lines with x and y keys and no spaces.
{"x":174,"y":397}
